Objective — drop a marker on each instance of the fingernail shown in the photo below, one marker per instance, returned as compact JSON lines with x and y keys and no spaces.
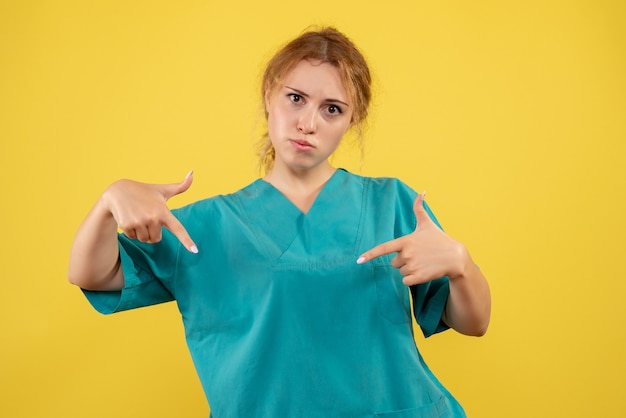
{"x":193,"y":249}
{"x":424,"y":193}
{"x":360,"y":260}
{"x":188,"y":174}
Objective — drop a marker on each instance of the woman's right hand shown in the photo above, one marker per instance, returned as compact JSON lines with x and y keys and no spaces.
{"x":140,"y":210}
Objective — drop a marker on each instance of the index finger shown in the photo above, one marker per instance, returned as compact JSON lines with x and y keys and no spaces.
{"x":385,"y":248}
{"x":180,"y":232}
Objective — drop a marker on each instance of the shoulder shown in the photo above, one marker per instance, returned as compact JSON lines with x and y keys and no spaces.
{"x":379,"y":192}
{"x":383,"y":186}
{"x":214,"y":205}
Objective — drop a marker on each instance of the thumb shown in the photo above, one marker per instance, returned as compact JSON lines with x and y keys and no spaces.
{"x":421,"y":215}
{"x":171,"y":190}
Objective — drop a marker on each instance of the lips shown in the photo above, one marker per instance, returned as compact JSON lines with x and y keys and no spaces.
{"x":302,"y":144}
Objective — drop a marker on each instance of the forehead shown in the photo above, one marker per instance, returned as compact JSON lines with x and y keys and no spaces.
{"x":318,"y":79}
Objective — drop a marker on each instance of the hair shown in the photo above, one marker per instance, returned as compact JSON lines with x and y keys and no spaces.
{"x":326,"y":45}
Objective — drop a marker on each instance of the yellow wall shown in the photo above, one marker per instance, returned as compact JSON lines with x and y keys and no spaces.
{"x":510,"y":114}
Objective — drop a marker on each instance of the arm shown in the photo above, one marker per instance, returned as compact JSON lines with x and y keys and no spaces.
{"x":469,"y":305}
{"x":428,"y":254}
{"x":94,"y":257}
{"x":140,"y":211}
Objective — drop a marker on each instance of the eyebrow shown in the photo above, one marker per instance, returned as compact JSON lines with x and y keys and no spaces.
{"x":301,"y":93}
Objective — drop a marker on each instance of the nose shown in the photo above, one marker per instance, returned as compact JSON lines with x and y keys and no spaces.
{"x":307,"y":123}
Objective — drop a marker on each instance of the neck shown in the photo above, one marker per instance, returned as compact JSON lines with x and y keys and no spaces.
{"x":300,"y":187}
{"x":286,"y":178}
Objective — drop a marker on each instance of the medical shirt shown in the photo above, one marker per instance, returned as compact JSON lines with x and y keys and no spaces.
{"x":279,"y":319}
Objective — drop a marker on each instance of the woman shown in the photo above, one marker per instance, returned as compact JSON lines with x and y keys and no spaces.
{"x":293,"y":290}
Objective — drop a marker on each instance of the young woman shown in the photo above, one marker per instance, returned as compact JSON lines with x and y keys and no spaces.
{"x":295,"y":290}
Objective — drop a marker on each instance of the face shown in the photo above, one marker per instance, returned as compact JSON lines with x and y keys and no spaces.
{"x":308,"y":114}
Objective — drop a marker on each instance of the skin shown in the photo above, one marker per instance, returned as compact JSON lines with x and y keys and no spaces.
{"x":140,"y":211}
{"x":428,"y":254}
{"x":308,"y":115}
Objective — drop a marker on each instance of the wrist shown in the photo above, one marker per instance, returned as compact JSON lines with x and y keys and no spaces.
{"x":463,"y":264}
{"x":103,"y":209}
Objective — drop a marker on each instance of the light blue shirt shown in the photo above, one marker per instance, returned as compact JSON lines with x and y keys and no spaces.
{"x":279,"y":319}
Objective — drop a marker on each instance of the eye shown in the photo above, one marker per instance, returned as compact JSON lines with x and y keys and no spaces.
{"x":334,"y":110}
{"x":295,"y":98}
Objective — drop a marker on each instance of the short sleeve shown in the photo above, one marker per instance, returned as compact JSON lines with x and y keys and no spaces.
{"x":429,"y":303}
{"x":147,"y":268}
{"x":429,"y":299}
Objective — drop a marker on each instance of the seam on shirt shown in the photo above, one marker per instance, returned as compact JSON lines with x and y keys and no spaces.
{"x":176,"y":272}
{"x":312,"y":266}
{"x":359,"y":232}
{"x":237,"y":201}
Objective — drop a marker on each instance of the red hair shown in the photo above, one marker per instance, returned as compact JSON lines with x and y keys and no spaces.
{"x":326,"y":45}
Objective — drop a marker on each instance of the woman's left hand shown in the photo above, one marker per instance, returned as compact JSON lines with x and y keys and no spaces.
{"x":426,"y":254}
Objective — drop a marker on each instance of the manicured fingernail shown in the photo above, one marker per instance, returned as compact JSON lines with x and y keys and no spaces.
{"x":424,"y":193}
{"x":193,"y":249}
{"x":360,"y":260}
{"x":188,"y":174}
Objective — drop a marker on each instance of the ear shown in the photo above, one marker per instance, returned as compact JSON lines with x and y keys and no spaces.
{"x":353,"y":123}
{"x":266,"y":95}
{"x":353,"y":119}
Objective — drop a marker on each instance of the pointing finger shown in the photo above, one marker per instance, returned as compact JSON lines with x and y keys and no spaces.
{"x":385,"y":248}
{"x":180,"y":232}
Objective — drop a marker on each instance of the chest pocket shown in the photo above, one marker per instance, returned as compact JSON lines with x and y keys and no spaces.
{"x":436,"y":409}
{"x":392,"y":295}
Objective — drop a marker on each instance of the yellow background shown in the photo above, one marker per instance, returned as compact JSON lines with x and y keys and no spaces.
{"x":510,"y":114}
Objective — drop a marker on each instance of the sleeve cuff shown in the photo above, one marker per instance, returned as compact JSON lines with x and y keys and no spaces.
{"x":140,"y":289}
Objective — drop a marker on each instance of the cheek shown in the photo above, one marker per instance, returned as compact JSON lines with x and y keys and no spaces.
{"x":276,"y":118}
{"x":341,"y":130}
{"x":273,"y":124}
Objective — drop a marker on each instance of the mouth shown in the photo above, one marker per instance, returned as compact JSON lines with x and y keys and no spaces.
{"x":302,"y":144}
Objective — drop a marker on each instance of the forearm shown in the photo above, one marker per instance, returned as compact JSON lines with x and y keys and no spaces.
{"x":94,"y":258}
{"x":469,"y":305}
